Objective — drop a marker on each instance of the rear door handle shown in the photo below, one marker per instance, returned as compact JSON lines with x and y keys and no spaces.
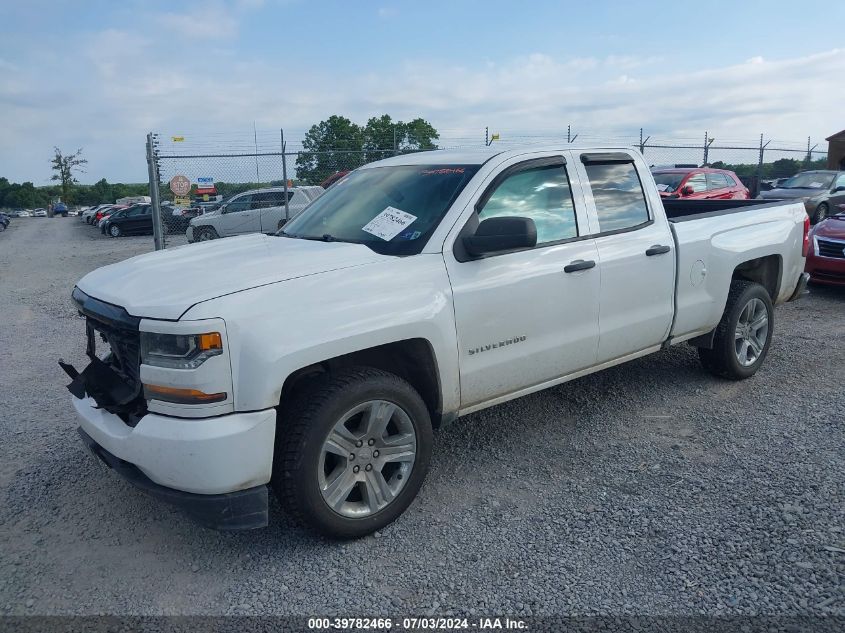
{"x":579,"y":264}
{"x":657,"y":249}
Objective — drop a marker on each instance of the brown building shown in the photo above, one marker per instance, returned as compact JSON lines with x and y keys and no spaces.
{"x":836,"y":151}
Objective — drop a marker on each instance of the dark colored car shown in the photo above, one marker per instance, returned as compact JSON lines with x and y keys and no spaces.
{"x":135,"y":220}
{"x":699,"y":183}
{"x":821,"y":191}
{"x":60,"y":208}
{"x":176,"y":220}
{"x":4,"y":221}
{"x":826,"y":259}
{"x":106,"y":212}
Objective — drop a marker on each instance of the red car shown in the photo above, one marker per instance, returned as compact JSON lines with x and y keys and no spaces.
{"x":699,"y":183}
{"x":105,"y":213}
{"x":826,"y":258}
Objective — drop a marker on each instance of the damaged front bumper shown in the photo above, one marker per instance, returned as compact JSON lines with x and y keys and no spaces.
{"x":215,"y":468}
{"x":240,"y":510}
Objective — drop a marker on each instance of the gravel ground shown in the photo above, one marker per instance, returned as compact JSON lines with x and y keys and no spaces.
{"x":651,"y":488}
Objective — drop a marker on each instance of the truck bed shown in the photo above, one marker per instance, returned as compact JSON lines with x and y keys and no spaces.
{"x":680,"y":210}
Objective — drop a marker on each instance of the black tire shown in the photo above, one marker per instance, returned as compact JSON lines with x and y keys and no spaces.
{"x":723,"y":359}
{"x":206,"y":233}
{"x":114,"y":230}
{"x":305,"y":425}
{"x":821,"y":213}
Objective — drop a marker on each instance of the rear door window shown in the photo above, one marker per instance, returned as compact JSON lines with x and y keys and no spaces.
{"x":698,"y":182}
{"x":717,"y":181}
{"x":618,"y":194}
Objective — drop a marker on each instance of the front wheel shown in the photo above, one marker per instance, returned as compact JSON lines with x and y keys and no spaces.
{"x":743,"y":335}
{"x":114,"y":230}
{"x":353,"y":451}
{"x":206,"y":233}
{"x":821,"y":213}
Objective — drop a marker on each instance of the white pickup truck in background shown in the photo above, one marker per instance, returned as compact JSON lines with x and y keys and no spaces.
{"x":417,"y":289}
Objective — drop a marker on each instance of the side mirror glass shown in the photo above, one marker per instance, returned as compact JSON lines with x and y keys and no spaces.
{"x":838,"y":189}
{"x":495,"y":235}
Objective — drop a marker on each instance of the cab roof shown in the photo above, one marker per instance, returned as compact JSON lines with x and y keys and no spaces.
{"x":479,"y":156}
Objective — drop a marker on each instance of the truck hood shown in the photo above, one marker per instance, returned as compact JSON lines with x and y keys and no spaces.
{"x":164,"y":284}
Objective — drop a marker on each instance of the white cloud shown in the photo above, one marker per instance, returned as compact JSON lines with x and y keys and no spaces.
{"x":106,"y":94}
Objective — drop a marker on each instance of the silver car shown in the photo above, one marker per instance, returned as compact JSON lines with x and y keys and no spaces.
{"x":256,"y":211}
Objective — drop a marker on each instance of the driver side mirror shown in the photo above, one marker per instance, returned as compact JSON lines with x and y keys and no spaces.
{"x":687,"y":190}
{"x":838,"y":189}
{"x":495,"y":235}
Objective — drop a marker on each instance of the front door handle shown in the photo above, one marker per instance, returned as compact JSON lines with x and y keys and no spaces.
{"x":579,"y":264}
{"x":657,"y":249}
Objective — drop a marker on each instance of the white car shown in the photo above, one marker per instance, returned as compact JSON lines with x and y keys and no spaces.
{"x":39,"y":213}
{"x":256,"y":211}
{"x":24,"y":214}
{"x":419,"y":289}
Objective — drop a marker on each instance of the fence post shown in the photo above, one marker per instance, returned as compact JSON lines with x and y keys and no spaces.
{"x":760,"y":166}
{"x":643,"y":142}
{"x":152,"y":167}
{"x":706,"y":147}
{"x":285,"y":173}
{"x":487,"y":137}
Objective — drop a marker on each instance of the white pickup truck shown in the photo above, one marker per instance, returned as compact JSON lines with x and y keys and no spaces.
{"x":318,"y":361}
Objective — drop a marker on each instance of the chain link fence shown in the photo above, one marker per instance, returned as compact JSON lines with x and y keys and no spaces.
{"x":217,"y":166}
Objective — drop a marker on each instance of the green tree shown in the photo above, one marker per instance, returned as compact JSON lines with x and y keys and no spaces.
{"x":418,"y":135}
{"x":66,"y":168}
{"x":99,"y":193}
{"x":330,"y":146}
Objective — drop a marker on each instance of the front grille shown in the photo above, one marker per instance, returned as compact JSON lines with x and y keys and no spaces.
{"x":125,"y":348}
{"x":113,"y":379}
{"x":829,"y":248}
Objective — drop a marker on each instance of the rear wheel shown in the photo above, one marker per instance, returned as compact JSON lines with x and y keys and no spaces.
{"x":114,"y":230}
{"x":743,"y":335}
{"x":353,"y":451}
{"x":821,"y":213}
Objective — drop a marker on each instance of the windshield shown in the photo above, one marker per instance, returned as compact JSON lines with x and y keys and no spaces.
{"x":668,"y":180}
{"x":809,"y":180}
{"x":392,"y":210}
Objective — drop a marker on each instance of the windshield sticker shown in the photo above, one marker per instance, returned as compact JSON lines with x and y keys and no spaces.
{"x":661,"y":187}
{"x":410,"y":235}
{"x":442,"y":172}
{"x":816,"y":185}
{"x":389,"y":223}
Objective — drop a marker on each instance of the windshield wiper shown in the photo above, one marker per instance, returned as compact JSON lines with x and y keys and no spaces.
{"x":319,"y":238}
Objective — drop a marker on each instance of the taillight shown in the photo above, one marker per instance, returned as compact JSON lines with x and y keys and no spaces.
{"x":805,"y":247}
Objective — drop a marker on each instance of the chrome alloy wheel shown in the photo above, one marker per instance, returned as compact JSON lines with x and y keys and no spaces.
{"x":367,"y":458}
{"x":752,"y":332}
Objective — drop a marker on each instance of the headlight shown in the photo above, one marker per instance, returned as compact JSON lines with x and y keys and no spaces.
{"x":179,"y":351}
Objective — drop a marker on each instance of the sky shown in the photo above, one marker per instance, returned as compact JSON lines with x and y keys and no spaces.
{"x":100,"y":75}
